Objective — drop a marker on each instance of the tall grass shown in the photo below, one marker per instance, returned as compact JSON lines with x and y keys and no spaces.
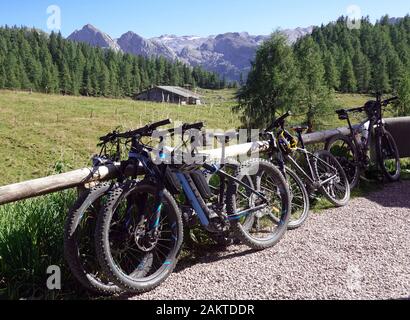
{"x":31,"y":239}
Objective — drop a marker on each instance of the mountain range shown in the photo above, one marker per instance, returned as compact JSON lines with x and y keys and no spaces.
{"x":228,"y":54}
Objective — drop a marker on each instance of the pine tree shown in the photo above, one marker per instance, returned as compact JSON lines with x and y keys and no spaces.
{"x":271,"y":86}
{"x":12,"y":71}
{"x":380,"y":80}
{"x":2,"y":76}
{"x":65,"y":80}
{"x":87,"y":89}
{"x":316,"y":95}
{"x":331,"y":76}
{"x":395,"y":70}
{"x":347,"y":78}
{"x":362,"y":70}
{"x":403,"y":105}
{"x":125,"y":76}
{"x":136,"y":78}
{"x":104,"y":81}
{"x":174,"y":76}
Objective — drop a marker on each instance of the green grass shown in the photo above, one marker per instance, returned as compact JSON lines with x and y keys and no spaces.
{"x":31,"y":239}
{"x":405,"y":167}
{"x":37,"y":131}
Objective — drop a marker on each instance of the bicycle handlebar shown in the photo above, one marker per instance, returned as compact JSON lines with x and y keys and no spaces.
{"x":185,"y":127}
{"x":109,"y":137}
{"x":279,"y":122}
{"x":388,"y":101}
{"x":196,"y":126}
{"x":362,"y":109}
{"x":147,"y":130}
{"x":343,"y":111}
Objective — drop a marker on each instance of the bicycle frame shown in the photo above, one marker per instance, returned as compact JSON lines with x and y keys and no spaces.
{"x":376,"y":126}
{"x":310,"y":179}
{"x":308,"y":156}
{"x":190,"y":189}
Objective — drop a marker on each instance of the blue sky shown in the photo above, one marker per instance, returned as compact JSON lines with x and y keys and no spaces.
{"x":191,"y":17}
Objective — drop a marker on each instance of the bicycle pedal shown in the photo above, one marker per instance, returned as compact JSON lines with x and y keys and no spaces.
{"x":314,"y":197}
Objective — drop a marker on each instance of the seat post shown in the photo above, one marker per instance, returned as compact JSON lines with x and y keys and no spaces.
{"x":300,"y":137}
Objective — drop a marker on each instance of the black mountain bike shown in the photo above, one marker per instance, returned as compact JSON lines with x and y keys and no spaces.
{"x":139,"y":232}
{"x":79,"y":231}
{"x":353,"y":150}
{"x":319,"y":171}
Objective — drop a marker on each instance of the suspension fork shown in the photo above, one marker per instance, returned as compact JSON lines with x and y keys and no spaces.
{"x":155,"y":219}
{"x":281,"y":163}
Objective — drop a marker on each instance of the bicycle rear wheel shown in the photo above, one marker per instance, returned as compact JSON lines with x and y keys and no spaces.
{"x":388,"y":156}
{"x":346,"y":153}
{"x":264,"y":227}
{"x":131,"y":255}
{"x":79,"y":250}
{"x":328,"y":171}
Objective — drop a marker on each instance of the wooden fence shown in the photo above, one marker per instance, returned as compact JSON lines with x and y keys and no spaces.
{"x":399,"y":127}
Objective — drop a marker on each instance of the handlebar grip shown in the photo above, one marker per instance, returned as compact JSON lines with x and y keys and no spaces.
{"x":197,"y":126}
{"x":386,"y":102}
{"x":160,"y":124}
{"x":279,"y":121}
{"x":109,"y":137}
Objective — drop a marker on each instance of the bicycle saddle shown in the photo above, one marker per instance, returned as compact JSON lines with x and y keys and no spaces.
{"x":300,"y":129}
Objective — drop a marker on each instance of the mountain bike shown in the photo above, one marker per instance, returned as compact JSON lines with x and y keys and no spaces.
{"x":141,"y":226}
{"x":298,"y":193}
{"x":352,"y":150}
{"x":79,"y":230}
{"x":320,"y":171}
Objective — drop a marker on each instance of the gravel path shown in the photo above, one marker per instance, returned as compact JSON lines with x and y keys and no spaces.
{"x":357,"y":252}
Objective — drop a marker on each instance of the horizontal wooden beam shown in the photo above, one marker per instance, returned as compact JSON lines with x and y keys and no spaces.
{"x":400,"y":129}
{"x":43,"y":186}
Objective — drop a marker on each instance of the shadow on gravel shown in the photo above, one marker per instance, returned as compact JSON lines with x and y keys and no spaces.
{"x":208,"y":254}
{"x":393,"y":195}
{"x":199,"y":255}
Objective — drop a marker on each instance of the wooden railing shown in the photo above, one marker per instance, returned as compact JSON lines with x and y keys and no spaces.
{"x":399,"y":127}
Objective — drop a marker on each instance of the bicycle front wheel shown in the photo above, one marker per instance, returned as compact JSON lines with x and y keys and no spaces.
{"x":329,"y":172}
{"x":257,"y":223}
{"x":135,"y":252}
{"x":299,"y":199}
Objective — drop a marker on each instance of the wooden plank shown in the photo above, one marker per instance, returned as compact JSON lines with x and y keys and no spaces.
{"x":238,"y":150}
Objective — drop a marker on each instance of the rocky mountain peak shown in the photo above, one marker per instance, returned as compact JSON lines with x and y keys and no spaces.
{"x":227,"y":54}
